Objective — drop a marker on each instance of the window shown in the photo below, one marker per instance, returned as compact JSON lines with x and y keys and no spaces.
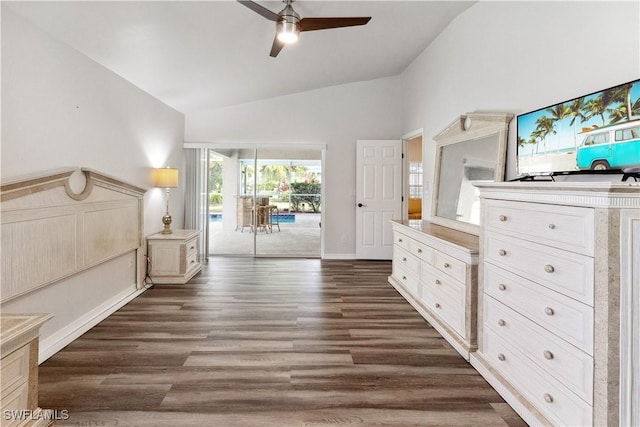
{"x":625,"y":134}
{"x":599,"y":138}
{"x":415,"y":180}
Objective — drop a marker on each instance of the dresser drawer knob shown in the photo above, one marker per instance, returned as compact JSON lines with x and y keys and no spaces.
{"x":419,"y":250}
{"x":501,"y":357}
{"x":404,"y":258}
{"x":548,"y":398}
{"x":437,"y":305}
{"x":552,"y":226}
{"x":404,"y":277}
{"x":502,"y":218}
{"x":502,"y":287}
{"x":502,"y":252}
{"x":447,"y":265}
{"x":399,"y":240}
{"x":549,"y":311}
{"x":437,"y":282}
{"x":549,"y":268}
{"x":501,"y":322}
{"x":548,"y":355}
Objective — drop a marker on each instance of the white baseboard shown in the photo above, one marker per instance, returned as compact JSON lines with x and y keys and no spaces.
{"x":56,"y":342}
{"x":339,"y":256}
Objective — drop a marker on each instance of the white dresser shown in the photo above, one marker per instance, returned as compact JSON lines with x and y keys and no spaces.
{"x":435,"y":269}
{"x":549,"y":298}
{"x":173,"y":257}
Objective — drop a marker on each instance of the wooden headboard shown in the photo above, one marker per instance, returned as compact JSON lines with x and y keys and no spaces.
{"x":49,"y":231}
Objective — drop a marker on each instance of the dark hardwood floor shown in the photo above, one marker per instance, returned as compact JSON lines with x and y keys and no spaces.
{"x":269,"y":342}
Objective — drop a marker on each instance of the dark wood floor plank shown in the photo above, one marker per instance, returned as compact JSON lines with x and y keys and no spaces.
{"x":270,"y":342}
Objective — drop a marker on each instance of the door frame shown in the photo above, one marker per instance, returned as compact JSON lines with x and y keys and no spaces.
{"x":405,"y":172}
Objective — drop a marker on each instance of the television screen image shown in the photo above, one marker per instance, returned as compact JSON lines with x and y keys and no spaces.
{"x":599,"y":131}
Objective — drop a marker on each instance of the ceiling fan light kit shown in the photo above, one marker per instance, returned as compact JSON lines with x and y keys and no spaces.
{"x":289,"y":25}
{"x":287,"y":32}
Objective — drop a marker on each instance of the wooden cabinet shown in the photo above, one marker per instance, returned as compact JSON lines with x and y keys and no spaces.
{"x":549,"y":298}
{"x":173,"y":257}
{"x":19,"y":370}
{"x":435,"y":269}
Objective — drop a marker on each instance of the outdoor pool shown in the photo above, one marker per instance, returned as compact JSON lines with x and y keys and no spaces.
{"x":282,"y":218}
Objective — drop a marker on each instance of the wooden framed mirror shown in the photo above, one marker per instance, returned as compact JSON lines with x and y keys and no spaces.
{"x":472,"y":148}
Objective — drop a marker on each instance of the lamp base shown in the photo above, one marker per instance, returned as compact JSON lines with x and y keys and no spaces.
{"x":166,"y":220}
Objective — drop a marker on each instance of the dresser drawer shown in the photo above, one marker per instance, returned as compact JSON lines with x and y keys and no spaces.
{"x":565,"y":227}
{"x":563,"y":316}
{"x":402,"y":240}
{"x":441,"y":283}
{"x":565,"y":272}
{"x":15,"y":369}
{"x":448,"y":309}
{"x":16,"y":400}
{"x":191,"y":247}
{"x":422,"y":251}
{"x":407,"y":278}
{"x":450,"y":265}
{"x":403,"y":258}
{"x":564,"y":362}
{"x":544,"y":392}
{"x":192,"y":263}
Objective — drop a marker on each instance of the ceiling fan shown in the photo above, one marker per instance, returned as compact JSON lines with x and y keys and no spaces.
{"x":289,"y":24}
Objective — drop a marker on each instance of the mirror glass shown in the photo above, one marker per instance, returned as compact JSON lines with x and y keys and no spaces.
{"x":473,"y":148}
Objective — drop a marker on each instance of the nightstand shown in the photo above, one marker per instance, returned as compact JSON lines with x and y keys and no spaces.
{"x":174,"y":257}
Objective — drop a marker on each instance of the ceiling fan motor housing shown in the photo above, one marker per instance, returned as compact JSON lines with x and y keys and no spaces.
{"x":288,"y":25}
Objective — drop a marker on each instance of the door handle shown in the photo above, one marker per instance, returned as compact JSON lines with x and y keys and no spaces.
{"x":360,"y":205}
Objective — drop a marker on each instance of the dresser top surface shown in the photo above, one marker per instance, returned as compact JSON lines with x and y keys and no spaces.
{"x":588,"y":194}
{"x":14,"y":326}
{"x":175,"y":235}
{"x":630,"y":187}
{"x":446,"y":234}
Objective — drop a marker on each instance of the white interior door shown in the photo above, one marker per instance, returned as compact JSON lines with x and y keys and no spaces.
{"x":378,"y":196}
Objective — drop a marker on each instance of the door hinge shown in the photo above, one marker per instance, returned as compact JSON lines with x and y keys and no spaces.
{"x":403,"y":155}
{"x":402,"y":198}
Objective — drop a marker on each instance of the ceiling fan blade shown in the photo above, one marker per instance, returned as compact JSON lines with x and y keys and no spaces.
{"x":312,"y":24}
{"x":276,"y":47}
{"x":260,"y":10}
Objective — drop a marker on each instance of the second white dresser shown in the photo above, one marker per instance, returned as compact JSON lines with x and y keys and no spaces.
{"x":435,"y":269}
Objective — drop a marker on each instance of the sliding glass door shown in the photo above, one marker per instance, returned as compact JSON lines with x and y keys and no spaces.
{"x":265,"y":202}
{"x":289,"y":193}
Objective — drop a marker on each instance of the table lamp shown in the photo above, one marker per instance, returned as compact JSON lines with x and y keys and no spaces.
{"x":166,"y":178}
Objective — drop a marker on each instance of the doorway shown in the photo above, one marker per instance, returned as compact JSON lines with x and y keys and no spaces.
{"x":413,"y":177}
{"x":265,"y":202}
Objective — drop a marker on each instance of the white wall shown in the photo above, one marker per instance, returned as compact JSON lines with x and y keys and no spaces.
{"x":336,"y":116}
{"x":519,"y":57}
{"x":61,"y":109}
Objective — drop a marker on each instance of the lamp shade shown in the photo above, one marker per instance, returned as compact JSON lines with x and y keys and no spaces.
{"x":166,"y":178}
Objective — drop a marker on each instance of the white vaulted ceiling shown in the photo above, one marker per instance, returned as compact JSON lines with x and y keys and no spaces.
{"x":208,"y":54}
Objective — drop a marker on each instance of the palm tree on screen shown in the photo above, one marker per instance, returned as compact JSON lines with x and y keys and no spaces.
{"x":619,"y":94}
{"x":576,"y":112}
{"x":545,"y":127}
{"x":558,"y":112}
{"x":595,"y":107}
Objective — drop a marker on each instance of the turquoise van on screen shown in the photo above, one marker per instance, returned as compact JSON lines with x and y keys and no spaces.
{"x":610,"y":147}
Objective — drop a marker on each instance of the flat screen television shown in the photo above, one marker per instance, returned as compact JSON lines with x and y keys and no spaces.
{"x":595,"y":132}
